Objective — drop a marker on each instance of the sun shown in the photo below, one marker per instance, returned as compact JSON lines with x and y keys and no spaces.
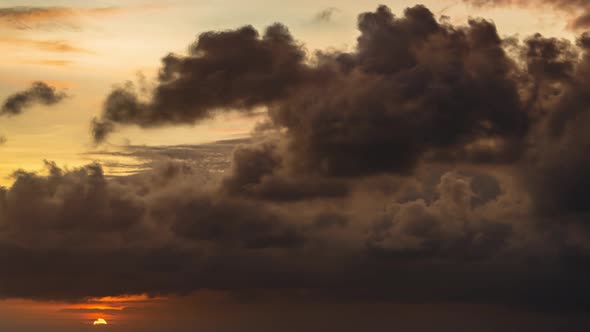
{"x":100,"y":321}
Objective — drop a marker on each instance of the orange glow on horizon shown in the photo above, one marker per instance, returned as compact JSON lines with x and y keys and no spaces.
{"x":97,"y":306}
{"x":124,"y":299}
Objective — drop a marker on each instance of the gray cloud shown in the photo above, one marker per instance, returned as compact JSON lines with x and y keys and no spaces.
{"x":215,"y":75}
{"x":326,"y":15}
{"x":38,"y":93}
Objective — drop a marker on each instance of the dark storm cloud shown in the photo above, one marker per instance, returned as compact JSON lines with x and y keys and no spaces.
{"x":557,"y":168}
{"x":413,"y":85}
{"x":442,"y":227}
{"x":38,"y":93}
{"x":427,"y":165}
{"x":51,"y":223}
{"x":256,"y":172}
{"x":156,"y":233}
{"x":224,"y":70}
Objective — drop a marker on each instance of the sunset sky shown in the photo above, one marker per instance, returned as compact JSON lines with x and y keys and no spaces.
{"x":204,"y":165}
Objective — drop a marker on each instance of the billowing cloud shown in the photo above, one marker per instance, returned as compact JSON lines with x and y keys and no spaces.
{"x":156,"y":233}
{"x":224,"y":70}
{"x":37,"y":93}
{"x":453,"y":77}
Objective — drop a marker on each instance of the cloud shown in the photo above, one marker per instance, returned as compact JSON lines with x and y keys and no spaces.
{"x":325,"y":15}
{"x":581,"y":22}
{"x":38,"y":93}
{"x":320,"y":104}
{"x":57,"y":46}
{"x":25,"y":18}
{"x":432,"y":164}
{"x":157,"y":233}
{"x":218,"y":76}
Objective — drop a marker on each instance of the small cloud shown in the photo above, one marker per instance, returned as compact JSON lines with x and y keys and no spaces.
{"x":325,"y":15}
{"x":37,"y":93}
{"x":2,"y":139}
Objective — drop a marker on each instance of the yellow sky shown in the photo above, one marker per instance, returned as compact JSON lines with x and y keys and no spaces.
{"x":88,"y":49}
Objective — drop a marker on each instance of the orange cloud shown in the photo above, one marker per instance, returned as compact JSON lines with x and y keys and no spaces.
{"x":31,"y":17}
{"x":47,"y":62}
{"x":125,"y":299}
{"x":25,"y":18}
{"x":45,"y":45}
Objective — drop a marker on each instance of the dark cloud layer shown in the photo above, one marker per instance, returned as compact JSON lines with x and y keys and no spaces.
{"x":432,"y":164}
{"x":37,"y":93}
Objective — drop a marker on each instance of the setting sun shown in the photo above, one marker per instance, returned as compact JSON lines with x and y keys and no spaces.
{"x":100,"y":321}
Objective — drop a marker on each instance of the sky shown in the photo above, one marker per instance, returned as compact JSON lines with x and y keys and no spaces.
{"x":200,"y":165}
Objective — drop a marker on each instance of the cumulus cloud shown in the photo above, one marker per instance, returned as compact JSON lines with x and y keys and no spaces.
{"x":451,"y":76}
{"x":157,"y":233}
{"x":224,"y":70}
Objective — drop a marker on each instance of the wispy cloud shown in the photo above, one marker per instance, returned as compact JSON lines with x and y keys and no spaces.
{"x":325,"y":15}
{"x":59,"y":46}
{"x":34,"y":17}
{"x":47,"y":62}
{"x":25,"y":17}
